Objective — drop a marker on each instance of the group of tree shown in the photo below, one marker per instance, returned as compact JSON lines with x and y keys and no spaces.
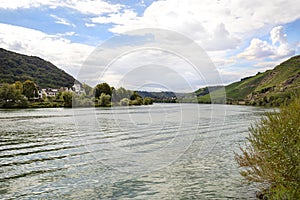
{"x":109,"y":96}
{"x":25,"y":94}
{"x":18,"y":94}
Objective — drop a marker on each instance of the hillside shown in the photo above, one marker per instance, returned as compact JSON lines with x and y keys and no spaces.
{"x":271,"y":87}
{"x":18,"y":67}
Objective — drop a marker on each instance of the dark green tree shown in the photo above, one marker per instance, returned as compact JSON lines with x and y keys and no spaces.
{"x":30,"y":89}
{"x":11,"y":97}
{"x":104,"y":100}
{"x":19,"y":86}
{"x":68,"y":97}
{"x":135,"y":95}
{"x":102,"y":88}
{"x":147,"y":101}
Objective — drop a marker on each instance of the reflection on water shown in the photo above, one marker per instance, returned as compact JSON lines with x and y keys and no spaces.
{"x":163,"y":151}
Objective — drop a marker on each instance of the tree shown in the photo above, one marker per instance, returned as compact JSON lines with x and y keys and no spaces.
{"x":120,"y":93}
{"x":135,"y":95}
{"x":102,"y":88}
{"x":147,"y":101}
{"x":68,"y":97}
{"x":19,"y":86}
{"x":124,"y":102}
{"x":272,"y":154}
{"x":136,"y":99}
{"x":88,"y":89}
{"x":12,"y":97}
{"x":104,"y":100}
{"x":30,"y":89}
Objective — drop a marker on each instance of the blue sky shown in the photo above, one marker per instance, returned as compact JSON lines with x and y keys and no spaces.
{"x":241,"y":37}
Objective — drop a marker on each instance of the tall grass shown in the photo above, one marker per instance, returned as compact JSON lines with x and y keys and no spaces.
{"x":272,"y":153}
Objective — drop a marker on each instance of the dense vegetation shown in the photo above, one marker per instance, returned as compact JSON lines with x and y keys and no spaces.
{"x":23,"y":95}
{"x":160,"y":97}
{"x":272,"y":87}
{"x":17,"y":67}
{"x":272,"y":154}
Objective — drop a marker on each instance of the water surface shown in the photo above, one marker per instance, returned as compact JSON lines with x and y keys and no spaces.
{"x":163,"y":151}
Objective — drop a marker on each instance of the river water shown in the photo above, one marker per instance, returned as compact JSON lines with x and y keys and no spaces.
{"x":162,"y":151}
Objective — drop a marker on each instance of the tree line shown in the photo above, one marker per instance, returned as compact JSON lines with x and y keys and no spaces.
{"x":25,"y":94}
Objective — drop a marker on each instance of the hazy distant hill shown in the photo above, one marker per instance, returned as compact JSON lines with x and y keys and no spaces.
{"x":270,"y":87}
{"x":18,"y":67}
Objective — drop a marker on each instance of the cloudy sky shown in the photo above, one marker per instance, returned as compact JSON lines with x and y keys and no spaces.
{"x":240,"y":37}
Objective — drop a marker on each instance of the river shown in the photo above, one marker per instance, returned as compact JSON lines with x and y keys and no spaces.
{"x":161,"y":151}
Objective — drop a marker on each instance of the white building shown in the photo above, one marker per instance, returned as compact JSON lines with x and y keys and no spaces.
{"x":77,"y":88}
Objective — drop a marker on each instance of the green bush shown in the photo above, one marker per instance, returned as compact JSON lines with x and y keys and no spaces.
{"x":104,"y":100}
{"x":124,"y":102}
{"x":272,"y":154}
{"x":147,"y":101}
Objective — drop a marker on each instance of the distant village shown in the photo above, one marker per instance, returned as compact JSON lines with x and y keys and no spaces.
{"x":52,"y":92}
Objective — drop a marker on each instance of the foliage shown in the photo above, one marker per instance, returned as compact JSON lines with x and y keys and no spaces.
{"x":67,"y":97}
{"x":30,"y":89}
{"x":120,"y":93}
{"x":124,"y":102}
{"x":88,"y":89}
{"x":160,"y":97}
{"x":10,"y":96}
{"x":136,"y":99}
{"x":135,"y":95}
{"x":102,"y":88}
{"x":19,"y":86}
{"x":18,"y":67}
{"x":272,"y":154}
{"x":104,"y":100}
{"x":147,"y":101}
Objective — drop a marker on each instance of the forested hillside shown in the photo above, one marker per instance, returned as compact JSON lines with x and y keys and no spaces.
{"x":17,"y":67}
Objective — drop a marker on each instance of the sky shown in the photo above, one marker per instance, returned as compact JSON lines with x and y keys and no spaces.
{"x":164,"y":44}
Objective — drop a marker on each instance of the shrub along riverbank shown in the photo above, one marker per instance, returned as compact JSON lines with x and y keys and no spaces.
{"x":272,"y":155}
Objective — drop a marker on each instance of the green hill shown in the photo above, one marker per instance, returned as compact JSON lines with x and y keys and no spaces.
{"x":18,"y":67}
{"x":271,"y":87}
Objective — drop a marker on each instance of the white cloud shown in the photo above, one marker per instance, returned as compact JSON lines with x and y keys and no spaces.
{"x":132,"y":55}
{"x":278,"y":35}
{"x":259,"y":49}
{"x":220,"y":40}
{"x":216,"y":25}
{"x":54,"y":48}
{"x":63,"y":21}
{"x":95,"y":7}
{"x":71,"y":33}
{"x":89,"y":25}
{"x":116,"y":18}
{"x":16,"y":4}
